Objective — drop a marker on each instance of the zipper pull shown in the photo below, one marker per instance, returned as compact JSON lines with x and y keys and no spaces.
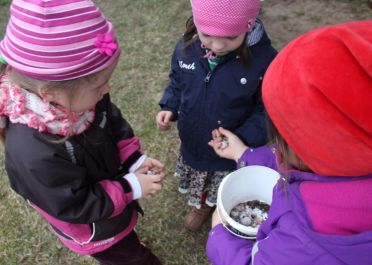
{"x":208,"y":77}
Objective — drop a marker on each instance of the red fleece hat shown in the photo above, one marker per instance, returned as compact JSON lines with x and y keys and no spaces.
{"x":318,"y":93}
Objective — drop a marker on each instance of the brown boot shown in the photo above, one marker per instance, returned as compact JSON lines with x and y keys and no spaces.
{"x":196,"y":217}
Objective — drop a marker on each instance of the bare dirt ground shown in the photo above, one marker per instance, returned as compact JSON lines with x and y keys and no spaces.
{"x":286,"y":19}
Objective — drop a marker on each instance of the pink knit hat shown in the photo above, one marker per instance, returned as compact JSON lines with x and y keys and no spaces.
{"x":225,"y":18}
{"x":58,"y":39}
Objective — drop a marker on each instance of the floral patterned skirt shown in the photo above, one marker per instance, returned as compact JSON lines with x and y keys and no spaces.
{"x":198,"y":183}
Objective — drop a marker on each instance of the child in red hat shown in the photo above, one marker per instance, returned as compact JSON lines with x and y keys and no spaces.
{"x":215,"y":80}
{"x":317,"y":93}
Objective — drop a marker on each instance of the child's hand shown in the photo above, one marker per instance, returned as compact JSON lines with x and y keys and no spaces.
{"x":216,"y":218}
{"x":151,"y":181}
{"x":226,"y":144}
{"x":163,"y":120}
{"x":152,"y":165}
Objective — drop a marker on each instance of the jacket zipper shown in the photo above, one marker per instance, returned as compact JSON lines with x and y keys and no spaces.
{"x":209,"y":74}
{"x":208,"y":77}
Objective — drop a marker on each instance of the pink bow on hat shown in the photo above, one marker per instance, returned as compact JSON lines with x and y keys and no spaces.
{"x":106,"y":44}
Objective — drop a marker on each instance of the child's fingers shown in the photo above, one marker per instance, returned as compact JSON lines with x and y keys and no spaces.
{"x":159,"y":118}
{"x":163,"y":127}
{"x":218,"y":134}
{"x":225,"y":132}
{"x":157,"y":187}
{"x":164,"y":117}
{"x":162,"y":177}
{"x":149,"y":196}
{"x":214,"y":134}
{"x":162,"y":124}
{"x":217,"y":146}
{"x":214,"y":144}
{"x":142,"y":170}
{"x":167,"y":117}
{"x":156,"y":164}
{"x":162,"y":120}
{"x":157,"y":178}
{"x":153,"y":164}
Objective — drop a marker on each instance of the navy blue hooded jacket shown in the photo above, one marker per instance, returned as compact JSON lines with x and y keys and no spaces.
{"x":202,"y":100}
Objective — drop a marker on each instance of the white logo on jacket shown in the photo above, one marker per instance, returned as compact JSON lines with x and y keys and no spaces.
{"x":103,"y":242}
{"x":190,"y":66}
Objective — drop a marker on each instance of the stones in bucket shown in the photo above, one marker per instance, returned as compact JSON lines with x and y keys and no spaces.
{"x":250,"y":213}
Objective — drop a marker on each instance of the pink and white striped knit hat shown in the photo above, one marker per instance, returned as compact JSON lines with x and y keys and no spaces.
{"x":225,"y":18}
{"x":58,"y":40}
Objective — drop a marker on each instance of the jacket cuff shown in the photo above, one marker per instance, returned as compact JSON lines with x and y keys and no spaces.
{"x":135,"y":185}
{"x":137,"y":164}
{"x":130,"y":161}
{"x":243,"y":160}
{"x":262,"y":156}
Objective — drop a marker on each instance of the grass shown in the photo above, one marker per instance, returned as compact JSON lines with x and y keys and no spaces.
{"x":148,"y":31}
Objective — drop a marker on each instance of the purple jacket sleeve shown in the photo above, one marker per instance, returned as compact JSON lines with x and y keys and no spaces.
{"x":261,"y":156}
{"x":223,"y":248}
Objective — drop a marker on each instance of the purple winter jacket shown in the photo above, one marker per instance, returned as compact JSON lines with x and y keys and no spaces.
{"x":286,"y":237}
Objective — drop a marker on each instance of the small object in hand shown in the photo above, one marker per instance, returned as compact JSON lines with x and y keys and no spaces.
{"x":152,"y":172}
{"x":224,"y":143}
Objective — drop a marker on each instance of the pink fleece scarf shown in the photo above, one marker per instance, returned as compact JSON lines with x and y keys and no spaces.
{"x":21,"y":106}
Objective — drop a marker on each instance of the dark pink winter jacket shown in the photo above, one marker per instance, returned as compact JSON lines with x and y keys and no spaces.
{"x":77,"y":185}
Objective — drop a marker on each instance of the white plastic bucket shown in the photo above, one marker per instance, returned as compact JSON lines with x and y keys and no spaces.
{"x":245,"y":184}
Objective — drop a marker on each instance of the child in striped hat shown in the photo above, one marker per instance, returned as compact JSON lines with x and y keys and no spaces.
{"x":69,"y":152}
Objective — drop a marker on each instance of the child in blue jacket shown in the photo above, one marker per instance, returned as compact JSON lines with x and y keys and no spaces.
{"x":215,"y":80}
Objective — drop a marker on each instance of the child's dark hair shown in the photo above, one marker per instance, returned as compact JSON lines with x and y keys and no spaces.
{"x":191,"y":34}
